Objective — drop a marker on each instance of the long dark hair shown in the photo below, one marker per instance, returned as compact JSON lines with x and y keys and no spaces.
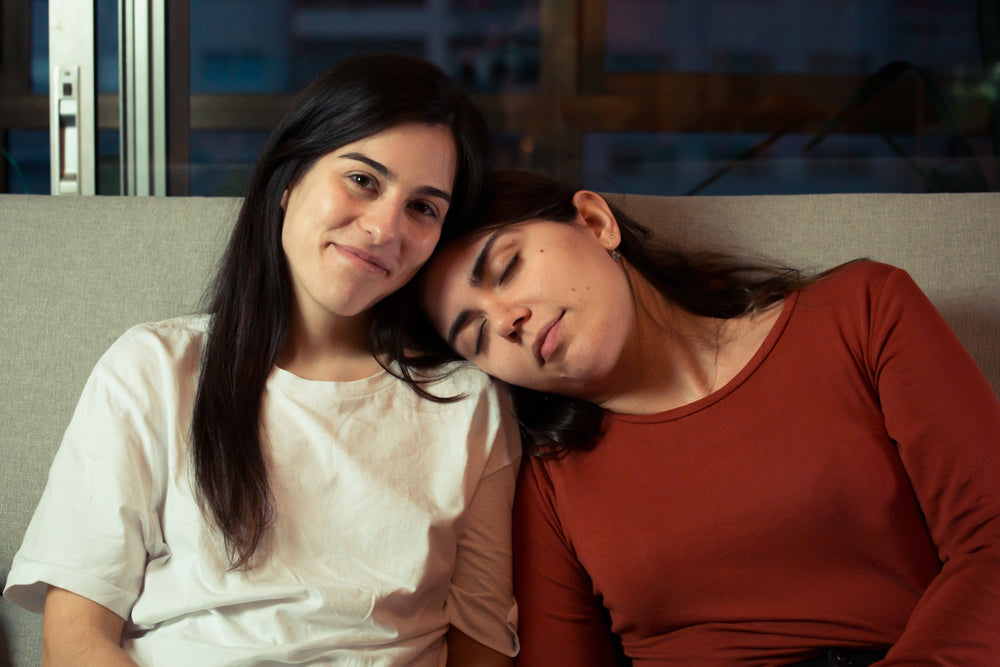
{"x":251,"y":297}
{"x":703,"y":283}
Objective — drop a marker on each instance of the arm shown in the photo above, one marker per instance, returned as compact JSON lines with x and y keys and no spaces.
{"x":78,"y":631}
{"x":466,"y":652}
{"x":945,"y":419}
{"x":480,"y":604}
{"x":561,"y":621}
{"x":90,"y":530}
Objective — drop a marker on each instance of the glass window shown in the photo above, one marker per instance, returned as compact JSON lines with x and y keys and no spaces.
{"x":704,"y":163}
{"x":658,"y":95}
{"x":221,"y":161}
{"x":705,"y":81}
{"x":491,"y":46}
{"x":816,"y":37}
{"x":27,"y":162}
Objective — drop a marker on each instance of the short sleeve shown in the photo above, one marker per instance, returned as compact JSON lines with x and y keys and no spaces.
{"x":90,"y":531}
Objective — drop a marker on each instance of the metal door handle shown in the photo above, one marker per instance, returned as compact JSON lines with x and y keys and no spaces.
{"x":66,"y":90}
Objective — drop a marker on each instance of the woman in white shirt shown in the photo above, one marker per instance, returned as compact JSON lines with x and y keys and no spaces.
{"x":253,"y":485}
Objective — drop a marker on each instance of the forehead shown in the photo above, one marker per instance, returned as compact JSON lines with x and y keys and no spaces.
{"x":457,"y":260}
{"x":449,"y":275}
{"x":410,"y":145}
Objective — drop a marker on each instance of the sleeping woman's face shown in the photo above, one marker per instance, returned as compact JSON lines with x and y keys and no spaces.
{"x":538,"y":304}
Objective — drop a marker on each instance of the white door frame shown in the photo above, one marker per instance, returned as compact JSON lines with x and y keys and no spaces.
{"x":72,"y":98}
{"x":142,"y":97}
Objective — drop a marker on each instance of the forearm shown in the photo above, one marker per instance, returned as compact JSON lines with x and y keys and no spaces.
{"x":957,"y":621}
{"x":79,"y":632}
{"x":466,"y":652}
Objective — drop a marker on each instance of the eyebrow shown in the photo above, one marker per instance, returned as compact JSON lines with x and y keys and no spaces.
{"x":386,"y":173}
{"x":475,"y":279}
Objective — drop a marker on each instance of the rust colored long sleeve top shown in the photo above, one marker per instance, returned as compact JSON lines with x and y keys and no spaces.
{"x":842,"y":490}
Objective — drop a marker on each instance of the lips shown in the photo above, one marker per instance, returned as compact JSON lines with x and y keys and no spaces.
{"x":362,"y":259}
{"x":547,"y":340}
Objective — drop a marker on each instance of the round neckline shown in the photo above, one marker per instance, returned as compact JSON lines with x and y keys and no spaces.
{"x":289,"y":381}
{"x":762,"y":352}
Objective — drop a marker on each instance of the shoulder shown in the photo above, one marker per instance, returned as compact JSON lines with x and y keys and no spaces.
{"x":859,"y":272}
{"x":862,"y":281}
{"x":171,"y":336}
{"x":171,"y":332}
{"x":862,"y":303}
{"x":482,"y":411}
{"x":146,"y":353}
{"x":463,"y":376}
{"x":456,"y":378}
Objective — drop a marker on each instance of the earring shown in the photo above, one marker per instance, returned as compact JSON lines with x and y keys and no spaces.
{"x":613,"y":251}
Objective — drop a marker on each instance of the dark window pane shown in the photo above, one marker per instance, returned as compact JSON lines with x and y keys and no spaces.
{"x":27,"y":162}
{"x":40,"y":47}
{"x":674,"y":164}
{"x":816,"y":37}
{"x":221,"y":161}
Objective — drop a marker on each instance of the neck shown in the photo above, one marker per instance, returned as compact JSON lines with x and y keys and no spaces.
{"x":672,"y":361}
{"x":335,"y":350}
{"x":676,"y":358}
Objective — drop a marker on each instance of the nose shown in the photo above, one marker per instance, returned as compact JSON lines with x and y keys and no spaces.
{"x":383,"y":221}
{"x":510,"y":320}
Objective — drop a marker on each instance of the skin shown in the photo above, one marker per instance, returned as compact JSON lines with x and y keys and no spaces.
{"x":466,"y":652}
{"x":546,"y":313}
{"x":543,"y":305}
{"x":78,"y":631}
{"x":358,"y":225}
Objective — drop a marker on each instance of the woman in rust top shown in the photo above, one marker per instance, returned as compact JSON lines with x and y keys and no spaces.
{"x":731,"y":463}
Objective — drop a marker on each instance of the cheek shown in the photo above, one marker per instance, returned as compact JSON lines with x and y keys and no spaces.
{"x":287,"y":236}
{"x":498,"y":368}
{"x":420,"y":245}
{"x":510,"y":364}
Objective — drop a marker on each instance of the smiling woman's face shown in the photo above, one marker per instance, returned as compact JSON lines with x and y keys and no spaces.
{"x":363,"y":219}
{"x":538,"y":304}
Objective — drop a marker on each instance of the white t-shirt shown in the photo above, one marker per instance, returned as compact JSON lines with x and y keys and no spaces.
{"x":392,"y":517}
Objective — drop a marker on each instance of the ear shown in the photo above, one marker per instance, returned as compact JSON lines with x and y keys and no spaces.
{"x":593,"y":212}
{"x":284,"y":200}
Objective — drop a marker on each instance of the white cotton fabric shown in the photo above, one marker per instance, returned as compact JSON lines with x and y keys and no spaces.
{"x":393,"y":517}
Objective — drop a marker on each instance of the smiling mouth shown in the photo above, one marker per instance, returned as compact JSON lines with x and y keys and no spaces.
{"x":364,"y":260}
{"x":547,"y":340}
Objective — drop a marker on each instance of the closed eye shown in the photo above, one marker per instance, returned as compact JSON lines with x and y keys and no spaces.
{"x":509,"y":269}
{"x":480,"y":335}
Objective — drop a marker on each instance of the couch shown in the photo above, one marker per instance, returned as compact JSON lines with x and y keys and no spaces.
{"x":77,"y":271}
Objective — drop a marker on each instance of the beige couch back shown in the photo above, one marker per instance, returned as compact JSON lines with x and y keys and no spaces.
{"x":77,"y":271}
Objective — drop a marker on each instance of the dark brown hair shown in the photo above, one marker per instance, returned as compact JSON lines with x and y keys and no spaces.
{"x":250,"y":300}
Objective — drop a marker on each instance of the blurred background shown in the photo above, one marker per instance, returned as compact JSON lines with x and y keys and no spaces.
{"x":666,"y":97}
